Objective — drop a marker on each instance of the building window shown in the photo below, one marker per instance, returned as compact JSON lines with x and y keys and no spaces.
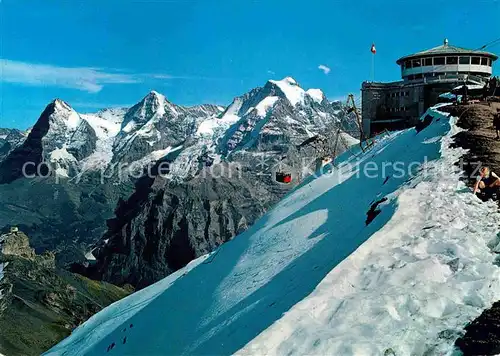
{"x":451,"y":60}
{"x":407,"y":93}
{"x":464,"y":60}
{"x":416,"y":63}
{"x":427,"y":61}
{"x":438,"y":61}
{"x":484,"y":61}
{"x":476,"y":60}
{"x":407,"y":64}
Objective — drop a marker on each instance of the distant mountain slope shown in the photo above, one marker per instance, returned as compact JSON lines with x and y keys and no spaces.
{"x":73,"y":186}
{"x":10,"y":139}
{"x":40,"y":304}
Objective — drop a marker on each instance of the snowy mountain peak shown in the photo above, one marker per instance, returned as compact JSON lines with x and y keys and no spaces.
{"x":290,"y":88}
{"x":289,"y":80}
{"x":61,"y":104}
{"x":154,"y":95}
{"x":155,"y":99}
{"x":64,"y":113}
{"x":151,"y":106}
{"x":316,"y":94}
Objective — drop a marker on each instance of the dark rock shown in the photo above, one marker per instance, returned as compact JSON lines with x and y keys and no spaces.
{"x":482,"y":336}
{"x":422,"y":124}
{"x":162,"y":228}
{"x":11,"y":168}
{"x":374,"y":211}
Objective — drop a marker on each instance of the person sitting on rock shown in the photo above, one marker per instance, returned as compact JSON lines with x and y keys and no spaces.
{"x":496,"y":123}
{"x":487,"y":184}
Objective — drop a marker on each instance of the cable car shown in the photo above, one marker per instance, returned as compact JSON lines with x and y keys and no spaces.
{"x":283,"y":177}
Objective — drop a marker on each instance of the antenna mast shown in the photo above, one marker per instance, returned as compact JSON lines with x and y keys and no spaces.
{"x":352,"y":108}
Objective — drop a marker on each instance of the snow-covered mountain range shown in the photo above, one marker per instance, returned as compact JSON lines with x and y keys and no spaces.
{"x":91,"y":158}
{"x":269,"y":118}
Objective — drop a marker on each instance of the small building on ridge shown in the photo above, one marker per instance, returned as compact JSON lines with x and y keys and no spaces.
{"x":425,"y":75}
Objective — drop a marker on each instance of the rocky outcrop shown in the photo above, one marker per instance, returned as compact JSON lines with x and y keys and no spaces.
{"x":482,"y":336}
{"x":16,"y":244}
{"x":478,"y":137}
{"x":162,"y":227}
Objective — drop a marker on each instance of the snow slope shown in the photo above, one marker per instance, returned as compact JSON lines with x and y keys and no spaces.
{"x":412,"y":278}
{"x":411,"y":287}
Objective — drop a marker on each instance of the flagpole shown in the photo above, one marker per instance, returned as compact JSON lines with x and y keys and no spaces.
{"x":373,"y":67}
{"x":373,"y":50}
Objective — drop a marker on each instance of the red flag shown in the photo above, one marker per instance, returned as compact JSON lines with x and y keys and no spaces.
{"x":373,"y":49}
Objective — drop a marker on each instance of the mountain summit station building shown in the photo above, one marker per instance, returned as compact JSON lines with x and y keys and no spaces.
{"x":425,"y":75}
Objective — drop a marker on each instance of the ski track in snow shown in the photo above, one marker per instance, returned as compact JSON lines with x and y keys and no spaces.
{"x":311,"y":278}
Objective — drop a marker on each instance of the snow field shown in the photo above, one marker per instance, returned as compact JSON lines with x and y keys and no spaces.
{"x":412,"y":286}
{"x":311,"y":277}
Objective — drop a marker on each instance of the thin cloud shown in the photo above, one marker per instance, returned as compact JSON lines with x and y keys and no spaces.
{"x":271,"y":72}
{"x":86,"y":79}
{"x":324,"y":68}
{"x":338,"y":98}
{"x":188,"y":77}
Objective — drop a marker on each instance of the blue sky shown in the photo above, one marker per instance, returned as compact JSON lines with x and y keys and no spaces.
{"x":96,"y":54}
